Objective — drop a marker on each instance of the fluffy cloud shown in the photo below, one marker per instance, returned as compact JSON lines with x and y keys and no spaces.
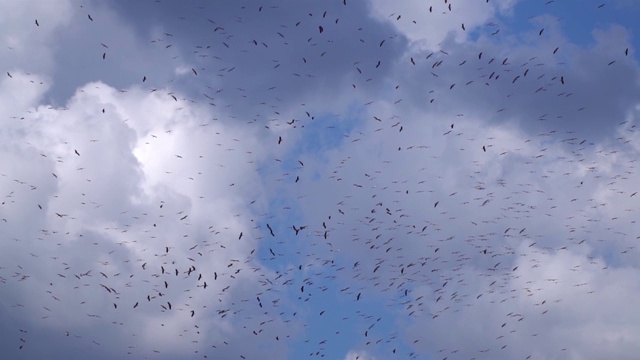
{"x":428,"y":25}
{"x":486,"y":221}
{"x":358,"y":355}
{"x":112,"y":195}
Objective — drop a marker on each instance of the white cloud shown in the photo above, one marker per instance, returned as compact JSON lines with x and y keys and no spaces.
{"x":427,"y":30}
{"x":118,"y":202}
{"x":555,"y":207}
{"x":358,"y":355}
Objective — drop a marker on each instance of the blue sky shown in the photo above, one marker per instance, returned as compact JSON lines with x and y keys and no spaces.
{"x":441,"y":183}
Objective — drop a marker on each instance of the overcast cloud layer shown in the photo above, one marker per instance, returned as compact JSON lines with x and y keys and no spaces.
{"x":303,"y":179}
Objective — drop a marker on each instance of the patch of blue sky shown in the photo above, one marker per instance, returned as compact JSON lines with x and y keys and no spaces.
{"x":324,"y":133}
{"x":365,"y":324}
{"x":327,"y":131}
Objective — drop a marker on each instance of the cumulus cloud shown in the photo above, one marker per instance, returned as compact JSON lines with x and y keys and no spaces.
{"x":485,"y":218}
{"x":428,"y":32}
{"x":130,"y":215}
{"x":358,"y":355}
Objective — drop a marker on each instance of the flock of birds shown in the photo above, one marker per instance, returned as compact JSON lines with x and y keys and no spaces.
{"x":351,"y":252}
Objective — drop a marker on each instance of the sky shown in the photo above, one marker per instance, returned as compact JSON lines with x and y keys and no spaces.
{"x":359,"y":179}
